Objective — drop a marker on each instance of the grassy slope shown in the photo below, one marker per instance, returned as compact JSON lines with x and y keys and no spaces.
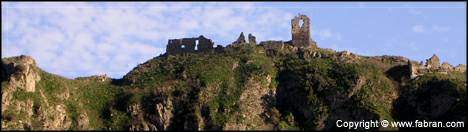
{"x":199,"y":82}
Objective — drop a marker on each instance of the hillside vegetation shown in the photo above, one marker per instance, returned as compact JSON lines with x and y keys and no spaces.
{"x":243,"y":88}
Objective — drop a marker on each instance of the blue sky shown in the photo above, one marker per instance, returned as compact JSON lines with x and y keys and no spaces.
{"x":82,"y":39}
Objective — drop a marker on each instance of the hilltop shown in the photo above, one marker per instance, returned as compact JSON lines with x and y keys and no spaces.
{"x":272,"y":85}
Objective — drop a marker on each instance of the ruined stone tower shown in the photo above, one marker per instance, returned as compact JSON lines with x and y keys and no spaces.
{"x":301,"y":32}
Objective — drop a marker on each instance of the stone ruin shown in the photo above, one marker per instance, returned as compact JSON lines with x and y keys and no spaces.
{"x":101,"y":78}
{"x":300,"y":29}
{"x":300,"y":38}
{"x":241,"y":39}
{"x":347,"y":56}
{"x":252,"y":39}
{"x":432,"y":65}
{"x":189,"y":45}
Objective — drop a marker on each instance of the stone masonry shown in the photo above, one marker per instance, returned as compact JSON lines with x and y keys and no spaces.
{"x":301,"y":38}
{"x":432,"y":65}
{"x":189,"y":45}
{"x":300,"y":29}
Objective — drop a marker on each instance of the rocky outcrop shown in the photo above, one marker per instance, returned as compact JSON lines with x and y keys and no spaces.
{"x":21,"y":74}
{"x":83,"y":121}
{"x":159,"y":118}
{"x":164,"y":114}
{"x":56,"y":119}
{"x":25,"y":103}
{"x":254,"y":104}
{"x":139,"y":123}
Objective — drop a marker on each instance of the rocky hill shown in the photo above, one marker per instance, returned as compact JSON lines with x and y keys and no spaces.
{"x":274,"y":85}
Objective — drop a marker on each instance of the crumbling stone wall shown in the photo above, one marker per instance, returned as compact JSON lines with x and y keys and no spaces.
{"x":272,"y":47}
{"x":219,"y":49}
{"x":240,"y":40}
{"x":301,"y":32}
{"x":252,"y":39}
{"x":460,"y":68}
{"x":189,"y":45}
{"x":205,"y":44}
{"x":272,"y":44}
{"x":300,"y":38}
{"x":432,"y":65}
{"x":433,"y":62}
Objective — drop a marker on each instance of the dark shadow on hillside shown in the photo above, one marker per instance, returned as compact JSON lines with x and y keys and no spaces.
{"x":118,"y":82}
{"x":307,"y":104}
{"x":433,"y":100}
{"x":399,"y":73}
{"x":185,"y":104}
{"x":120,"y":104}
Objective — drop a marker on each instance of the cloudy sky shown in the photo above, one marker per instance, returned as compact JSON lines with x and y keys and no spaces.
{"x":83,"y":39}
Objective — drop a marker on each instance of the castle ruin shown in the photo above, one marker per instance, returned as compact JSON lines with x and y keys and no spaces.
{"x":189,"y":45}
{"x":432,"y":65}
{"x":301,"y":39}
{"x":300,"y":30}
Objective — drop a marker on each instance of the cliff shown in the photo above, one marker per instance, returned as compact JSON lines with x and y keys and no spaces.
{"x":244,"y":87}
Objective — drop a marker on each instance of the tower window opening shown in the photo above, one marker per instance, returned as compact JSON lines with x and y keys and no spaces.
{"x":196,"y":44}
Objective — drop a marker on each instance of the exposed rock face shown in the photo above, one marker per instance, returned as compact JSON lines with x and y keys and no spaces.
{"x":159,"y":119}
{"x":21,"y":74}
{"x":240,"y":40}
{"x":164,"y":114}
{"x":252,"y":39}
{"x":254,"y":104}
{"x":26,"y":105}
{"x":24,"y":75}
{"x":83,"y":121}
{"x":59,"y":121}
{"x":139,"y":123}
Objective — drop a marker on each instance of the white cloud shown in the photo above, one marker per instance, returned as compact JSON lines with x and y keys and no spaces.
{"x":418,"y":28}
{"x":82,"y":39}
